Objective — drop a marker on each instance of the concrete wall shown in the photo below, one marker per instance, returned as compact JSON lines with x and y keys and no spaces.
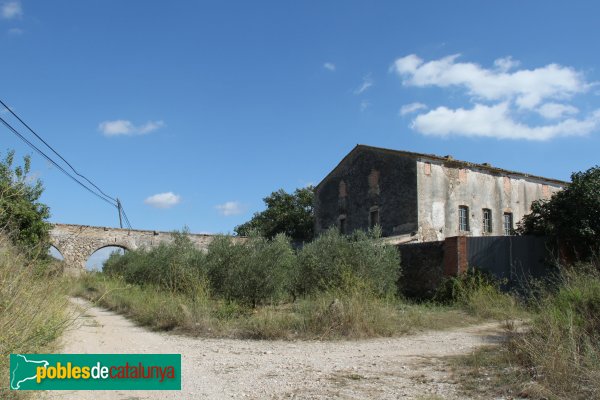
{"x":444,"y":186}
{"x":365,"y":180}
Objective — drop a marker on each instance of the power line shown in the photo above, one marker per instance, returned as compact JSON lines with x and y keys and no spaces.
{"x":126,"y":218}
{"x":101,"y":195}
{"x":54,"y":151}
{"x":40,"y":152}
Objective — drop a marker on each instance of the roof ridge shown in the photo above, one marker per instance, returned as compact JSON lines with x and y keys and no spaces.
{"x":448,"y":159}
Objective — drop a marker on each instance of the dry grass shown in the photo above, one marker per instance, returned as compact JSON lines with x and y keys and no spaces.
{"x":332,"y":314}
{"x":562,"y":347}
{"x":556,"y":355}
{"x":32,"y":304}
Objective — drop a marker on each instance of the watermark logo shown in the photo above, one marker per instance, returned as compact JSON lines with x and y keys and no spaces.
{"x":95,"y":371}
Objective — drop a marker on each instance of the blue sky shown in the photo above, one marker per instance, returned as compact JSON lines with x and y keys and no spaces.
{"x":192,"y":112}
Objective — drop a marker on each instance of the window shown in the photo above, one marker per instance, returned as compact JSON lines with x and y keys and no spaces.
{"x":373,"y":217}
{"x":487,"y":220}
{"x":508,"y":224}
{"x":427,"y":168}
{"x":463,"y":218}
{"x":343,"y":225}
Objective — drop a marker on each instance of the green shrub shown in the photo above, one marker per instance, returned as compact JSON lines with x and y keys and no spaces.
{"x":254,"y":272}
{"x":329,"y":260}
{"x":176,"y":266}
{"x":479,"y":294}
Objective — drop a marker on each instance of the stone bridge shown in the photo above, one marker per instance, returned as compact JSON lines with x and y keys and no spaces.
{"x":77,"y":243}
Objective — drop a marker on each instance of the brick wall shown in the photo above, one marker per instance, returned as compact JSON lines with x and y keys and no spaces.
{"x":455,"y":255}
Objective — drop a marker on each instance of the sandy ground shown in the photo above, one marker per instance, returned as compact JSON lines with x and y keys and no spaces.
{"x":398,"y":368}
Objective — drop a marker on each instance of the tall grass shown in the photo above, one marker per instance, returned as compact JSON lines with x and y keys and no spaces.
{"x":555,"y":354}
{"x":32,"y":308}
{"x":562,"y":346}
{"x":480,"y":295}
{"x":353,"y":312}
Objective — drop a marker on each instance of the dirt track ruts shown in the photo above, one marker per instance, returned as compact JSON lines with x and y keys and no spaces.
{"x":389,"y":368}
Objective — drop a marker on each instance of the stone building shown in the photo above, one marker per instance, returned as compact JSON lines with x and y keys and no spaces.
{"x":423,"y":197}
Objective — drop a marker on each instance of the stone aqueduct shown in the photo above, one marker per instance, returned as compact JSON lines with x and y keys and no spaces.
{"x":77,"y":243}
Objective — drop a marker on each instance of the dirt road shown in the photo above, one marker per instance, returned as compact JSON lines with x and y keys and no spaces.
{"x":397,"y":368}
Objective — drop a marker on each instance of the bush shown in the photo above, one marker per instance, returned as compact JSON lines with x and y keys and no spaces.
{"x":479,"y":294}
{"x":175,"y":267}
{"x":253,"y":272}
{"x":562,"y":348}
{"x":332,"y":259}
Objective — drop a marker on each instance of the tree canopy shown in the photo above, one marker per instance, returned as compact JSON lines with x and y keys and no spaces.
{"x":22,"y":216}
{"x":288,"y":213}
{"x":571,"y":215}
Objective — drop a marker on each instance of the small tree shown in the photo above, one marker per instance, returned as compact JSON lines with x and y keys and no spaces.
{"x":22,"y":216}
{"x":255,"y":272}
{"x":288,"y":213}
{"x":571,"y":215}
{"x":333,"y":260}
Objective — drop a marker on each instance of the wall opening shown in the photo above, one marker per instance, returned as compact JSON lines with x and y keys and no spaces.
{"x":487,"y":220}
{"x":96,"y":261}
{"x":55,"y":253}
{"x":342,"y":225}
{"x":373,"y":217}
{"x":508,"y":224}
{"x":463,"y":218}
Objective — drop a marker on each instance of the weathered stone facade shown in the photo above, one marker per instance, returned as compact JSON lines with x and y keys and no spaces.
{"x":77,"y":243}
{"x":367,"y":183}
{"x":417,"y":197}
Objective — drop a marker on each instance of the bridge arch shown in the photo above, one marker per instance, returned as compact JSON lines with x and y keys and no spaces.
{"x":78,"y":242}
{"x":96,"y":260}
{"x":54,"y":252}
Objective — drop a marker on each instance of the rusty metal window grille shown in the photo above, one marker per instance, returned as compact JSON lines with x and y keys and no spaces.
{"x":463,"y":218}
{"x":508,"y":224}
{"x":487,"y":220}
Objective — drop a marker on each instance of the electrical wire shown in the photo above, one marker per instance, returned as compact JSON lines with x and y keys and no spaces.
{"x":54,"y":151}
{"x":125,"y":217}
{"x":40,"y":152}
{"x":101,"y":195}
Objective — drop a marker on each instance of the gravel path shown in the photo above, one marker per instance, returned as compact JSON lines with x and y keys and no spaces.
{"x":394,"y":368}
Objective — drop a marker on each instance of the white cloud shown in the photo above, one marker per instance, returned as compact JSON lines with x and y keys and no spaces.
{"x":366,"y":84}
{"x":527,"y":87}
{"x":506,"y":64}
{"x":412,"y":108}
{"x":329,"y":66}
{"x":508,"y":101}
{"x":11,"y":9}
{"x":16,"y":31}
{"x":163,"y":200}
{"x":364,"y":105}
{"x":556,"y":110}
{"x":496,"y":121}
{"x":230,"y":208}
{"x":125,"y":127}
